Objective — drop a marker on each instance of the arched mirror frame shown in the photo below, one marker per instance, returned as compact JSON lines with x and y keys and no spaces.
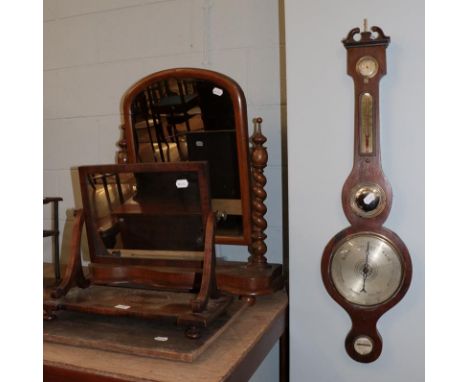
{"x":240,"y":120}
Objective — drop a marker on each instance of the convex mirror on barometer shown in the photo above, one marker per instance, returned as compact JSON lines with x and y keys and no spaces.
{"x":366,"y":268}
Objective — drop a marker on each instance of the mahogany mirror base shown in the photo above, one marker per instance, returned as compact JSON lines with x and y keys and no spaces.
{"x":169,"y":307}
{"x":135,"y":336}
{"x":237,"y":278}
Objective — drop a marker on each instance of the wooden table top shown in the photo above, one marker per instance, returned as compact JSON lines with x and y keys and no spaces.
{"x":234,"y":356}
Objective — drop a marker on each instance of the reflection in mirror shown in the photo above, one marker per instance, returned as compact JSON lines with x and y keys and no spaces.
{"x":187,"y":119}
{"x":196,"y":115}
{"x":146,"y":214}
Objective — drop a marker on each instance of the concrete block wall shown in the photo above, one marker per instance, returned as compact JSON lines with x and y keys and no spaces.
{"x":95,"y":50}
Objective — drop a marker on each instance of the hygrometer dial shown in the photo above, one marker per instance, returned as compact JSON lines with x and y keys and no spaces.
{"x":367,"y":66}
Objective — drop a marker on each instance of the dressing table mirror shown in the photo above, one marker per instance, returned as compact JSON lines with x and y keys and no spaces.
{"x":190,"y":114}
{"x":150,"y":229}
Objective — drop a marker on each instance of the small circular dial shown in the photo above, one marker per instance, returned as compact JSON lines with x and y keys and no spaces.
{"x":363,"y":345}
{"x":366,"y":269}
{"x":367,"y":66}
{"x":367,"y":199}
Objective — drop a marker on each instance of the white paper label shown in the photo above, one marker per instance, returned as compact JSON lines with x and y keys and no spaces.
{"x":161,"y":339}
{"x":199,"y":143}
{"x":122,"y":306}
{"x":217,"y":91}
{"x":181,"y":183}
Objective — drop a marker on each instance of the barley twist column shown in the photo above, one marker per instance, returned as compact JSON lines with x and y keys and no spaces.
{"x":259,"y":159}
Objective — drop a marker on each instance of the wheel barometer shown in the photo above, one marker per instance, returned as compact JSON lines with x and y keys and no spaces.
{"x":366,"y":268}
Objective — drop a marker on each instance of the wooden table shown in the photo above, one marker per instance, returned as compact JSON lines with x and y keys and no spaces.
{"x":234,"y":356}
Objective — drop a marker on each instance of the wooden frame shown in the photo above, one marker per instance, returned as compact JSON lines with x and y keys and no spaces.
{"x":95,"y":245}
{"x":190,"y":273}
{"x":128,"y":154}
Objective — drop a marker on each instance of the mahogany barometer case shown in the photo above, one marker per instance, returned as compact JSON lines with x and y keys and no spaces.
{"x":366,"y":268}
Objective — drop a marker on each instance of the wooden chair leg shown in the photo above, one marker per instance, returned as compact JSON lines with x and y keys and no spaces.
{"x":74,"y":271}
{"x":55,"y":233}
{"x":56,"y":243}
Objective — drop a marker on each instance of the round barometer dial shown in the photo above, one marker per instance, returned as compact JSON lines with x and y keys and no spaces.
{"x":366,"y":269}
{"x":367,"y":66}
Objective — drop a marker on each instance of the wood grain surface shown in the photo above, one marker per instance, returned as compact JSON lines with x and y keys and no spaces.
{"x":234,"y":356}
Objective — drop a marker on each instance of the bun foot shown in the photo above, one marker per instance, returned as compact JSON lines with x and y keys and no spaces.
{"x":193,"y":332}
{"x":57,"y":293}
{"x":49,"y":315}
{"x":250,"y":300}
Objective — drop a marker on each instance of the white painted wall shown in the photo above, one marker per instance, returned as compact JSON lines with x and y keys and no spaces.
{"x":320,"y":143}
{"x":95,"y":50}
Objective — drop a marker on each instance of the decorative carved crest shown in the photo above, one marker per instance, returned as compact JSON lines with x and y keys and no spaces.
{"x":367,"y":38}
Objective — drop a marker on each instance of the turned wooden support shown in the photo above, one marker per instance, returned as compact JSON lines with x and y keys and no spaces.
{"x":122,"y":154}
{"x":259,"y":159}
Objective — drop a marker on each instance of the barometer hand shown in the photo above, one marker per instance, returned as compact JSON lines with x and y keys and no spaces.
{"x":365,"y":270}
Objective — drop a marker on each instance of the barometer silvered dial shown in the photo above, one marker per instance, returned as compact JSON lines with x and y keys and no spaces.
{"x":366,"y":269}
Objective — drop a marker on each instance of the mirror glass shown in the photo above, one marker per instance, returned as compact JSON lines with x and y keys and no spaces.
{"x":144,"y":214}
{"x":196,"y":115}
